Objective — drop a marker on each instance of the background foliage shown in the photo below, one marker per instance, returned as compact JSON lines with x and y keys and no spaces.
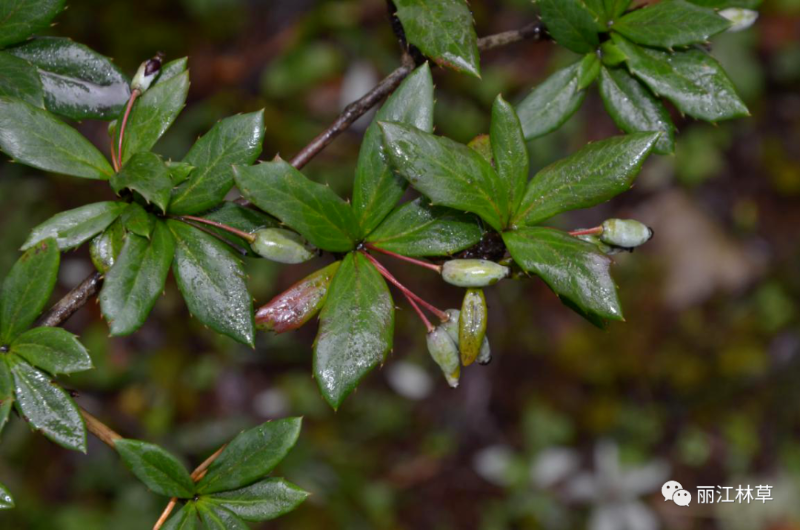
{"x":701,"y":377}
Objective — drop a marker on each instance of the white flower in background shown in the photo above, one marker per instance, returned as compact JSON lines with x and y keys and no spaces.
{"x":615,"y":491}
{"x":741,"y":19}
{"x":409,"y":380}
{"x":553,"y":465}
{"x":494,"y":464}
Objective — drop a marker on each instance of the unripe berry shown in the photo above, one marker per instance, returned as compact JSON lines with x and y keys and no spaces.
{"x":298,"y":304}
{"x":283,"y":246}
{"x":472,"y":325}
{"x":444,"y":351}
{"x":625,"y":233}
{"x":473,"y":272}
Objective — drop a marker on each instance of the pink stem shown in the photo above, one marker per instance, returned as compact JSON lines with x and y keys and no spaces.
{"x":597,"y":230}
{"x":420,"y":263}
{"x":441,"y":315}
{"x":114,"y":157}
{"x":244,"y":235}
{"x":134,"y":95}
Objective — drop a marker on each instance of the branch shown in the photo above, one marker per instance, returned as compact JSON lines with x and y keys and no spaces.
{"x":105,"y":433}
{"x":72,"y":301}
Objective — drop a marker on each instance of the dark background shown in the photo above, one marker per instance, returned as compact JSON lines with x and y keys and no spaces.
{"x":699,"y":385}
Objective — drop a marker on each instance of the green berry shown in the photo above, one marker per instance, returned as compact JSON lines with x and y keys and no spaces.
{"x":283,"y":246}
{"x":473,"y":272}
{"x":625,"y":233}
{"x":444,"y":351}
{"x":472,"y":325}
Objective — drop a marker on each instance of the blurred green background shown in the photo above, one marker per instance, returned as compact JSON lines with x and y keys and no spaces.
{"x":569,"y":427}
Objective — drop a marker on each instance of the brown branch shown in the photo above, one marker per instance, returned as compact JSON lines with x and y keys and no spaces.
{"x":72,"y":301}
{"x":105,"y":433}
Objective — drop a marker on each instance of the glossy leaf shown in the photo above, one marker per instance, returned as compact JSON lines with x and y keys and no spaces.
{"x":27,"y":288}
{"x":158,"y":469}
{"x":52,"y":349}
{"x":595,"y":174}
{"x":153,"y":113}
{"x":443,"y":30}
{"x":312,"y":209}
{"x":671,"y":23}
{"x":598,"y":12}
{"x":106,"y":247}
{"x":215,"y":517}
{"x":212,"y":282}
{"x":6,"y":393}
{"x":48,"y":407}
{"x":262,"y":501}
{"x":250,"y":456}
{"x":74,"y":227}
{"x":187,"y":518}
{"x":552,"y":103}
{"x":570,"y":24}
{"x":133,"y":285}
{"x":634,"y":108}
{"x":146,"y":174}
{"x":36,"y":138}
{"x":417,"y":229}
{"x":377,"y":189}
{"x":20,"y":18}
{"x":356,"y":329}
{"x":19,"y":79}
{"x":171,"y":69}
{"x":449,"y":173}
{"x":691,"y":79}
{"x":509,"y":151}
{"x":136,"y":220}
{"x":78,"y":82}
{"x":234,"y":140}
{"x":615,"y":8}
{"x":572,"y":268}
{"x":244,"y":219}
{"x":589,"y":70}
{"x":721,"y":4}
{"x":6,"y":500}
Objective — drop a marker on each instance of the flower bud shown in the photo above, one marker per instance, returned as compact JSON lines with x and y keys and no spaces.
{"x":741,"y":19}
{"x":485,"y":356}
{"x":625,"y":233}
{"x":472,"y":325}
{"x":445,"y":352}
{"x":298,"y":304}
{"x":283,"y":246}
{"x":146,"y":74}
{"x":473,"y":272}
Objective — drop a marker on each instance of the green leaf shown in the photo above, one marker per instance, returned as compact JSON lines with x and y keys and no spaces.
{"x":671,"y":23}
{"x":234,"y":140}
{"x":635,"y":109}
{"x":136,"y":280}
{"x":589,"y":70}
{"x":377,"y":189}
{"x":312,"y":209}
{"x":241,"y":218}
{"x":449,"y":173}
{"x":36,"y":138}
{"x":48,"y":407}
{"x":250,"y":456}
{"x":216,"y":517}
{"x":355,"y":331}
{"x":595,"y":174}
{"x":186,"y":519}
{"x":598,"y":11}
{"x":417,"y":229}
{"x":135,"y":219}
{"x":212,"y":282}
{"x":52,"y":349}
{"x":153,"y":113}
{"x":615,"y":8}
{"x":78,"y":82}
{"x":179,"y":172}
{"x":20,"y":18}
{"x":27,"y":288}
{"x":722,"y":4}
{"x":158,"y":469}
{"x":6,"y":393}
{"x":552,"y":103}
{"x":6,"y":500}
{"x":570,"y":24}
{"x":509,"y":151}
{"x":73,"y":227}
{"x":572,"y":268}
{"x":171,"y":69}
{"x":146,"y":174}
{"x":262,"y":501}
{"x":106,"y":247}
{"x":691,"y":79}
{"x":19,"y":79}
{"x":443,"y":30}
